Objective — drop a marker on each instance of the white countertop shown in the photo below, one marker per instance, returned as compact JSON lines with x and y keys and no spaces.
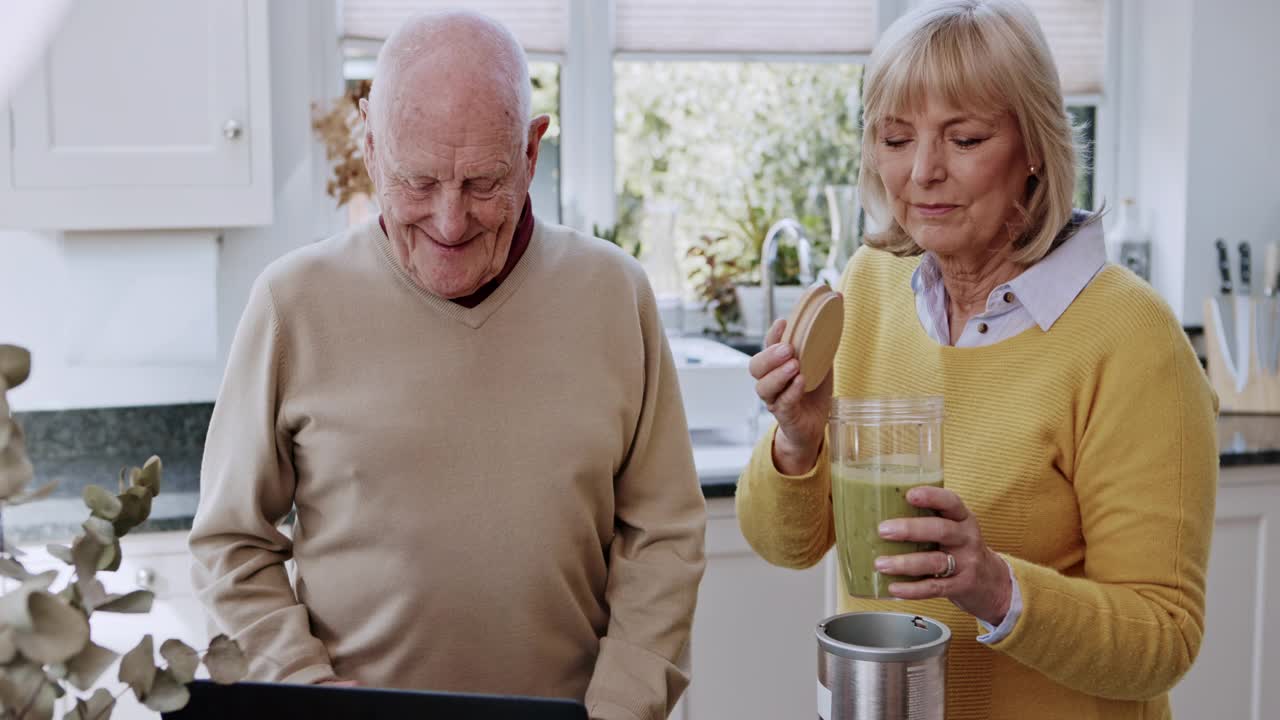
{"x":720,"y":456}
{"x":720,"y":463}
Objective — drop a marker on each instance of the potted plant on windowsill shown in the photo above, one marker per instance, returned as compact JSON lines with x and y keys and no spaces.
{"x":47,"y":657}
{"x":725,"y":278}
{"x":786,"y":293}
{"x":716,"y":265}
{"x":834,"y":235}
{"x":738,"y":265}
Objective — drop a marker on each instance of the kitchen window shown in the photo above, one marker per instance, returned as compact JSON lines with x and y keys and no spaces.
{"x":649,"y":100}
{"x":713,"y":152}
{"x":1085,"y":117}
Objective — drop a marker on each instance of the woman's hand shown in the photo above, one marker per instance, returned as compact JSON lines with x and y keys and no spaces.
{"x":980,"y":585}
{"x":802,"y":417}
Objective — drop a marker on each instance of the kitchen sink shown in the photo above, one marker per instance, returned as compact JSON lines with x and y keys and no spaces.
{"x":718,"y":390}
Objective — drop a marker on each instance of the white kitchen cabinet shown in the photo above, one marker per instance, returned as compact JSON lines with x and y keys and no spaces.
{"x":143,"y":114}
{"x":754,"y":653}
{"x":161,"y":563}
{"x":1234,"y":675}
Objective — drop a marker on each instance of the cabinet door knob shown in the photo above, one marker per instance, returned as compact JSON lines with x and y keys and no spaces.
{"x":232,"y":130}
{"x":146,"y":579}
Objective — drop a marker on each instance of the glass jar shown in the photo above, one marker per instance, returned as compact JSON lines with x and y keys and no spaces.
{"x":880,"y":449}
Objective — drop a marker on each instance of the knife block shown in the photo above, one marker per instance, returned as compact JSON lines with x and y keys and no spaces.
{"x":1261,"y":390}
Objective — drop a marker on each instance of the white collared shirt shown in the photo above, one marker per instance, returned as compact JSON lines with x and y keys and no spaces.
{"x":1035,"y":298}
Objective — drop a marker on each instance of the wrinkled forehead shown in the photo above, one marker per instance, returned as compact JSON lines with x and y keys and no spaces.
{"x":446,"y":102}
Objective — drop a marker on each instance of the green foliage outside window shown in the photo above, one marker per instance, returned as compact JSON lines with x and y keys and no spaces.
{"x":737,"y":146}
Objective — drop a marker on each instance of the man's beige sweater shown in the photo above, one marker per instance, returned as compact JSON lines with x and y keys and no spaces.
{"x":499,"y":499}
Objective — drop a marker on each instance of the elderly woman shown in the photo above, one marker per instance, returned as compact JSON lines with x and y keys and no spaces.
{"x":1080,"y":463}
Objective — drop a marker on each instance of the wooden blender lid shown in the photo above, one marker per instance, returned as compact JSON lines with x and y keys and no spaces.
{"x":813,"y":330}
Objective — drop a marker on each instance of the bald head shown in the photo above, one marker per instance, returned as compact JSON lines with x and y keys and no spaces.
{"x":457,"y":55}
{"x":450,"y":147}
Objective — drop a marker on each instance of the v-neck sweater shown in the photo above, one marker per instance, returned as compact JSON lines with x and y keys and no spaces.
{"x":498,"y":499}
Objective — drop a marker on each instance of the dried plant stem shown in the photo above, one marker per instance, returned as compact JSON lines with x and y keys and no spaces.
{"x":107,"y":709}
{"x":31,"y":700}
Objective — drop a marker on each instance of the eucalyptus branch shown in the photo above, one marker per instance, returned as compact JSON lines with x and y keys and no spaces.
{"x":114,"y":699}
{"x":31,"y":700}
{"x":50,"y":627}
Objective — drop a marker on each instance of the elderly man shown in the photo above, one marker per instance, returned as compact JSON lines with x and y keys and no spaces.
{"x":475,"y":415}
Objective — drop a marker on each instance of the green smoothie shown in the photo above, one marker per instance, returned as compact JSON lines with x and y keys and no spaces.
{"x":863,"y":495}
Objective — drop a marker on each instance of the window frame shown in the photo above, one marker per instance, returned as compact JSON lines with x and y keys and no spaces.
{"x":587,"y":169}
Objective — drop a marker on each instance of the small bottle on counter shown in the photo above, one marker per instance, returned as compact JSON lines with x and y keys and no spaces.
{"x":1127,"y":244}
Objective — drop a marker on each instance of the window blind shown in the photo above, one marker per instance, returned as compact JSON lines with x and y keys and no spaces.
{"x":745,"y":26}
{"x":1075,"y":30}
{"x":539,"y":25}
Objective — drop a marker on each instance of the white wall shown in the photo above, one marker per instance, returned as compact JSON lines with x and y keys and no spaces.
{"x":1209,"y":109}
{"x":111,"y":318}
{"x":1234,"y":151}
{"x":147,"y":318}
{"x":32,"y":306}
{"x":305,"y":67}
{"x":1158,"y":93}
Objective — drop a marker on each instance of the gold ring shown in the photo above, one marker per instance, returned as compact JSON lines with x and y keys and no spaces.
{"x":951,"y":567}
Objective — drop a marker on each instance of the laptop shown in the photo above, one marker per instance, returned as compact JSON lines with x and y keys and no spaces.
{"x":270,"y":701}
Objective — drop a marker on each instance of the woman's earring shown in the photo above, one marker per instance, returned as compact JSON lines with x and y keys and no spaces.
{"x":1032,"y":169}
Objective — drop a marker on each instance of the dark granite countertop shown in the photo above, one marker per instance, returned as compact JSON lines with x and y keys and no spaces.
{"x":90,"y":446}
{"x":1248,"y":440}
{"x":80,"y":447}
{"x":1243,"y":440}
{"x":719,"y":489}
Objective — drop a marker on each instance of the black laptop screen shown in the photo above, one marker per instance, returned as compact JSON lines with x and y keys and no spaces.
{"x":248,"y":701}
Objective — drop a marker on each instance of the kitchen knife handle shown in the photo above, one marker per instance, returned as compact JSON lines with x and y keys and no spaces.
{"x":1224,"y":267}
{"x":1245,"y":268}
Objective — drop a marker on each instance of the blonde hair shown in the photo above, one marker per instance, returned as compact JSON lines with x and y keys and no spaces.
{"x":989,"y":55}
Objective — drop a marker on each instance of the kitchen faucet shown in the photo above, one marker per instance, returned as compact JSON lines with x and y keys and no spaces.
{"x":769,"y":258}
